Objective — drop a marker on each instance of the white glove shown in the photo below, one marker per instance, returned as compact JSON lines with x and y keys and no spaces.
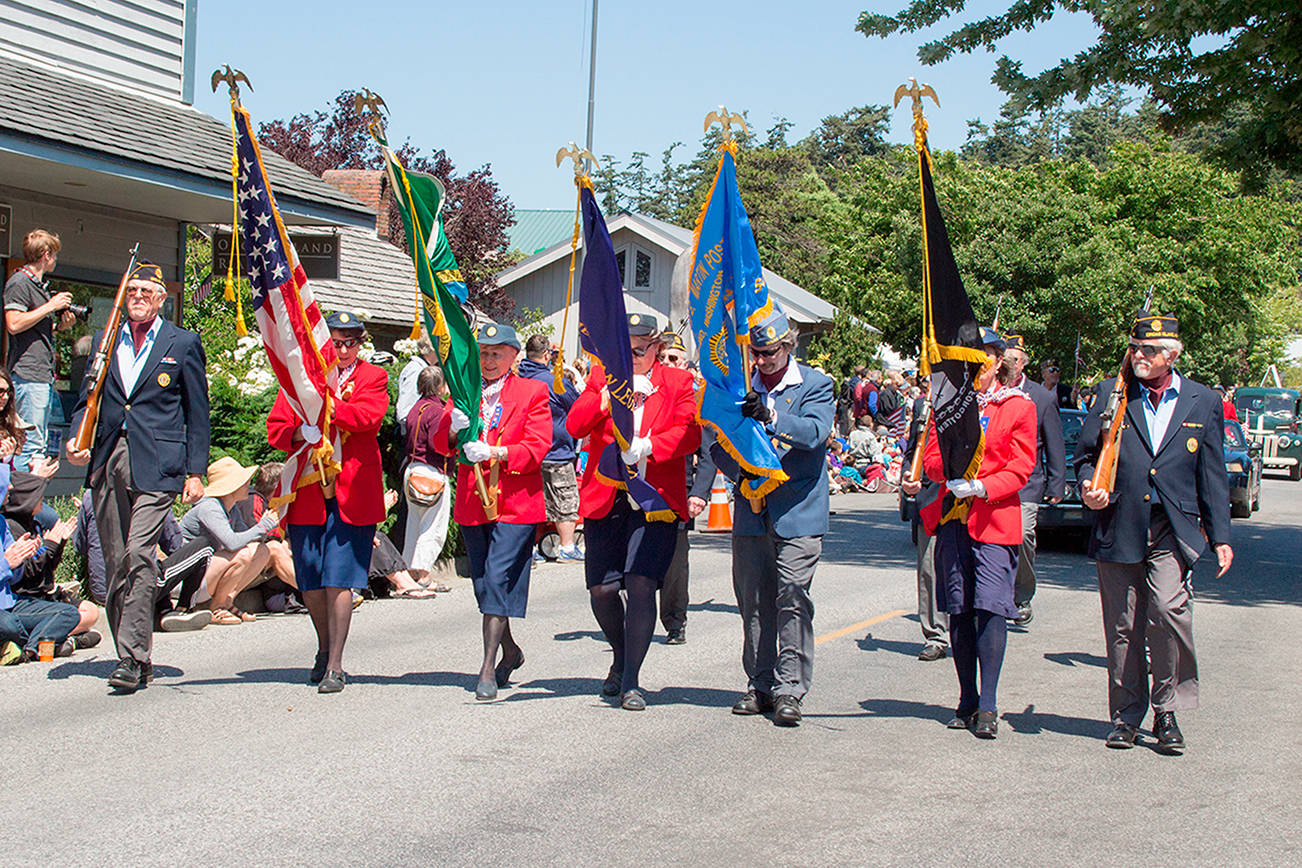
{"x":638,"y":449}
{"x":460,"y":421}
{"x":311,"y":433}
{"x":477,"y":451}
{"x":962,"y":488}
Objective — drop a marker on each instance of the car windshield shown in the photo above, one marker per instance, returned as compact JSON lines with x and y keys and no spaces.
{"x":1071,"y":425}
{"x":1234,"y":436}
{"x":1281,"y":404}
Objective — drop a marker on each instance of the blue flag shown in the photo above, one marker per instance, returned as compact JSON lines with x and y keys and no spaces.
{"x":728,"y":295}
{"x":603,"y":333}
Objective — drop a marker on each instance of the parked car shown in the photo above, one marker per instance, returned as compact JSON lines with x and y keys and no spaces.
{"x":1270,"y":419}
{"x":1243,"y":466}
{"x":1071,"y":512}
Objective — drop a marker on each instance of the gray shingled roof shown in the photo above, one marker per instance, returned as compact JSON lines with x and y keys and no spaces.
{"x":69,"y":111}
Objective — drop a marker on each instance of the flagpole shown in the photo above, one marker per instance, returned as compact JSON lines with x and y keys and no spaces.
{"x":592,"y":90}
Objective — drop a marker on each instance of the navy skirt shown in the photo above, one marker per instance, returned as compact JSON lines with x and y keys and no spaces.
{"x":331,"y":555}
{"x":623,"y":541}
{"x":973,"y":575}
{"x":501,"y":557}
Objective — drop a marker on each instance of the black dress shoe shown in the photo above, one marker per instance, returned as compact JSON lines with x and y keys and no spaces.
{"x":1122,"y":737}
{"x":1169,"y":739}
{"x":610,"y":687}
{"x":786,"y":711}
{"x":987,"y":724}
{"x":318,"y":668}
{"x":932,"y":651}
{"x":333,"y":682}
{"x":486,"y":690}
{"x":753,"y":702}
{"x":633,"y":700}
{"x":126,"y":676}
{"x":677,"y":637}
{"x":963,"y":719}
{"x":504,"y":669}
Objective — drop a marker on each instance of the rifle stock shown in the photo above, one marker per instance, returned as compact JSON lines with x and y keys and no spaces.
{"x":99,"y":364}
{"x":915,"y":463}
{"x":1105,"y":470}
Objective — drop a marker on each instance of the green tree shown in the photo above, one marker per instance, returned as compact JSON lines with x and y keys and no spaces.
{"x":1198,"y":59}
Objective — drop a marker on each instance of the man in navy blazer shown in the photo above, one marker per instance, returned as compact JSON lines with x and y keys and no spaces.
{"x":151,"y":444}
{"x":776,"y":550}
{"x":1170,"y":499}
{"x":1048,"y":479}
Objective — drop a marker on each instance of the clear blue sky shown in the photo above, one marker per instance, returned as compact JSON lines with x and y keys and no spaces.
{"x":505,"y":83}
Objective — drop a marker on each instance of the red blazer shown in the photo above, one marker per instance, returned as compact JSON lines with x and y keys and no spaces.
{"x":359,"y":486}
{"x":668,"y":418}
{"x":1006,"y":465}
{"x":525,"y":429}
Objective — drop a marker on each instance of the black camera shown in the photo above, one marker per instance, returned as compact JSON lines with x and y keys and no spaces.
{"x":80,"y":311}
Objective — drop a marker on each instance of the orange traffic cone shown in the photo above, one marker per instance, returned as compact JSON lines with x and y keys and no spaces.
{"x":720,"y":517}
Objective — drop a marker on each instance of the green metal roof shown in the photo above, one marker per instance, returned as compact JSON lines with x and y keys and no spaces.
{"x":537,"y":229}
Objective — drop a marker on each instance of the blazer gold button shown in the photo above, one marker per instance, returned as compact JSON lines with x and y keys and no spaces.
{"x":1147,"y":497}
{"x":126,"y":407}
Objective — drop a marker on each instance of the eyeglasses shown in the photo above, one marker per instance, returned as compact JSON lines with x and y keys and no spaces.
{"x":136,"y":290}
{"x":1145,"y":349}
{"x":673,"y":358}
{"x":341,"y":343}
{"x":769,"y":353}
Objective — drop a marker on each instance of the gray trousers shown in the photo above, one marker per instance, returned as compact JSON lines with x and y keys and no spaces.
{"x":1149,"y":601}
{"x":935,"y":625}
{"x":130,"y":523}
{"x":673,"y":594}
{"x":1024,"y":585}
{"x":771,"y":576}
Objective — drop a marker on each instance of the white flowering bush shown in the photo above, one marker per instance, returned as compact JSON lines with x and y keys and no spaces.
{"x":245,"y":368}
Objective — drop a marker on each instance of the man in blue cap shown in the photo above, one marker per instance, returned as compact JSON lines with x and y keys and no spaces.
{"x":776,"y":550}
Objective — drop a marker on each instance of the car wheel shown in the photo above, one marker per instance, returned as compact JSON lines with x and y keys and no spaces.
{"x":1295,"y":472}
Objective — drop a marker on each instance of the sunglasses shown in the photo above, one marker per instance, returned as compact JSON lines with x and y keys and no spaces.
{"x":673,"y":357}
{"x":767,"y":354}
{"x":1145,"y":349}
{"x":340,"y":343}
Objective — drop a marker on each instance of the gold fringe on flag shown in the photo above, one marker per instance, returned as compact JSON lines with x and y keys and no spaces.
{"x":232,"y":287}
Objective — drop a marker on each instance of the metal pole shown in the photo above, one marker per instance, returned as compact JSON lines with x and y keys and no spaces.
{"x":592,"y":85}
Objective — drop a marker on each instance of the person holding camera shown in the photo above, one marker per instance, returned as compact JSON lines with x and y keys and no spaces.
{"x":30,"y":318}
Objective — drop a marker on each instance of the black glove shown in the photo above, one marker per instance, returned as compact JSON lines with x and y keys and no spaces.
{"x":754,"y":407}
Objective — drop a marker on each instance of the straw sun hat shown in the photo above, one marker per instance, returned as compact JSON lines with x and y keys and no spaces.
{"x":225,"y":476}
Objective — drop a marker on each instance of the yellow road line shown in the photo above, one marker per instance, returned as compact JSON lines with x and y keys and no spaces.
{"x":862,"y":625}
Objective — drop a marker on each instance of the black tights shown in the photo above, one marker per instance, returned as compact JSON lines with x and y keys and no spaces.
{"x":978,"y":636}
{"x":628,"y":628}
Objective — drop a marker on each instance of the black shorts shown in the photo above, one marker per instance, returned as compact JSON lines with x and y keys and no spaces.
{"x":625,"y":542}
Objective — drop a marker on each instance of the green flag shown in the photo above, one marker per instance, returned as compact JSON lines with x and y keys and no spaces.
{"x":420,"y":200}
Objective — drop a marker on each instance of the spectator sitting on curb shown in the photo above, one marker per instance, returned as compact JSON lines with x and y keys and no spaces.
{"x":239,"y":555}
{"x":278,"y":591}
{"x":389,"y":574}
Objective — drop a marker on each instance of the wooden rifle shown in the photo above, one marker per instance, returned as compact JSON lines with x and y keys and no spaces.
{"x":914,"y":473}
{"x":98,"y":368}
{"x":1114,"y":412}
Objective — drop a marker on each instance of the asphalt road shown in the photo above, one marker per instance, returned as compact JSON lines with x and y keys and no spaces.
{"x":230,"y":758}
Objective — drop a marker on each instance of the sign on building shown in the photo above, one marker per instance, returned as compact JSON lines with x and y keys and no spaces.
{"x":318,"y":254}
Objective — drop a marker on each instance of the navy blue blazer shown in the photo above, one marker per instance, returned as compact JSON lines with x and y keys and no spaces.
{"x":801,"y":424}
{"x":1049,"y":478}
{"x":1187,"y":469}
{"x":165,"y":416}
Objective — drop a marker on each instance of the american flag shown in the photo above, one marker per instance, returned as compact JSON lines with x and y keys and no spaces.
{"x":293,"y":331}
{"x":201,"y":291}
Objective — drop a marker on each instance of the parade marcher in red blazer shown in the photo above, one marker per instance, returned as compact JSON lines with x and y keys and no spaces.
{"x":625,"y":550}
{"x":516,"y":434}
{"x":332,"y":528}
{"x":976,"y":559}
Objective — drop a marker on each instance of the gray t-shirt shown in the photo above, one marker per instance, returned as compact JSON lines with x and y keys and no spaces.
{"x":31,"y":352}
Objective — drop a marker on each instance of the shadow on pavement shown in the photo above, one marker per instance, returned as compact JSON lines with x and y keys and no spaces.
{"x":1076,"y":658}
{"x":907,"y":708}
{"x":549,"y":688}
{"x":870,"y":643}
{"x":1032,"y":722}
{"x":102,"y":669}
{"x":711,"y":605}
{"x":574,"y":635}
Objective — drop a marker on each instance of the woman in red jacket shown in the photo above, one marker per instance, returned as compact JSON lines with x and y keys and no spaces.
{"x":516,"y":434}
{"x":976,"y":559}
{"x":625,"y":550}
{"x":331,"y":527}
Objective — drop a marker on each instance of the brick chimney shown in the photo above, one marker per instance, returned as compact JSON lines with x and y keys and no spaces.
{"x":368,"y":186}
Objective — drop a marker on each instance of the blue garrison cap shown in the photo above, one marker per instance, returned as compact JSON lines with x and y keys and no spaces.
{"x":770,"y":330}
{"x":641,"y":325}
{"x":493,"y":333}
{"x":344,"y":321}
{"x":992,"y":338}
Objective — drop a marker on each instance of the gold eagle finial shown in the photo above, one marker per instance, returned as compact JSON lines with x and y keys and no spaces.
{"x":912,"y":89}
{"x":578,"y":155}
{"x":232,"y":77}
{"x":727,"y":120}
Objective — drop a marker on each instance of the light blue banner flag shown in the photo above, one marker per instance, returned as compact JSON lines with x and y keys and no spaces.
{"x":728,"y":295}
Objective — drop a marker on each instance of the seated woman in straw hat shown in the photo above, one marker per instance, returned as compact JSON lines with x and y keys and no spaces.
{"x":239,"y":555}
